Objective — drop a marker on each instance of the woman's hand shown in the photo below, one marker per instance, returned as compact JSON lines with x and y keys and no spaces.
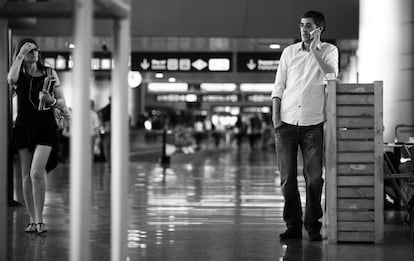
{"x":26,"y":48}
{"x":47,"y":98}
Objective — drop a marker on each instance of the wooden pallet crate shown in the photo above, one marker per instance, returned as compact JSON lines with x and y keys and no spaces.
{"x":354,"y":162}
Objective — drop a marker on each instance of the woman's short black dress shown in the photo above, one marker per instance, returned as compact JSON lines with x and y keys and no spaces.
{"x":34,"y":127}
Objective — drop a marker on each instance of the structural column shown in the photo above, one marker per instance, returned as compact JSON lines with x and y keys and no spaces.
{"x":4,"y":118}
{"x":80,"y":172}
{"x":120,"y":141}
{"x":386,"y":53}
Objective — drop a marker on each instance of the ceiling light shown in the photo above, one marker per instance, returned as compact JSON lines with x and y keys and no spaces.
{"x":218,"y":87}
{"x":256,"y":87}
{"x":159,"y":75}
{"x":274,"y":46}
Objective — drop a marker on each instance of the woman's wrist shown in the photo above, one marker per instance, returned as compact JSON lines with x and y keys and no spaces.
{"x":53,"y":104}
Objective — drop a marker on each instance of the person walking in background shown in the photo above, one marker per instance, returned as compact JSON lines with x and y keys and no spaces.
{"x":254,"y":131}
{"x":240,"y":130}
{"x":95,"y":126}
{"x":218,"y":133}
{"x":198,"y":133}
{"x":64,"y":140}
{"x":267,"y":139}
{"x":298,"y":116}
{"x":105,"y":115}
{"x":35,"y":130}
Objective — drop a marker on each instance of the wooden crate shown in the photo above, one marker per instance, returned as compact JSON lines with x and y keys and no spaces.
{"x":354,"y":162}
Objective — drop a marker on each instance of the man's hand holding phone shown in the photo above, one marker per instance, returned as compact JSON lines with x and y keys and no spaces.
{"x":315,"y":32}
{"x":315,"y":36}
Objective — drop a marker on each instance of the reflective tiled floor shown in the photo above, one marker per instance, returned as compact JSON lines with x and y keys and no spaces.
{"x":213,"y":205}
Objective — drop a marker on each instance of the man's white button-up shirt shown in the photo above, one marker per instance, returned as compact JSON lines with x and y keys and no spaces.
{"x":300,"y":84}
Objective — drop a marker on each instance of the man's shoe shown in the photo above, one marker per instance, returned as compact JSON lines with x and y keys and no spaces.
{"x":291,"y":233}
{"x":315,"y":236}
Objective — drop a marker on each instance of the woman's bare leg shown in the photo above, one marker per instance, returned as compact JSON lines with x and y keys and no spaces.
{"x":25,"y":162}
{"x":37,"y":173}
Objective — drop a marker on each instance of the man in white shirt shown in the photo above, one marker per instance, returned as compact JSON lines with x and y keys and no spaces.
{"x":298,"y":114}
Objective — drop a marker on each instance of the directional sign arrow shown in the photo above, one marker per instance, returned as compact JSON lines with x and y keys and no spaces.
{"x":145,"y":64}
{"x":251,"y":65}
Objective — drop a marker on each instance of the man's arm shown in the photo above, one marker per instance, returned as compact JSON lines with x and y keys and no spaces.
{"x":277,"y":122}
{"x":324,"y":65}
{"x":279,"y":87}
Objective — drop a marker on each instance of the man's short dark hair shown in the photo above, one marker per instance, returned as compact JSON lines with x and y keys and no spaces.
{"x":318,"y":18}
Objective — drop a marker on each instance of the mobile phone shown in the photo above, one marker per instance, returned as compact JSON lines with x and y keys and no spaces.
{"x":314,"y":31}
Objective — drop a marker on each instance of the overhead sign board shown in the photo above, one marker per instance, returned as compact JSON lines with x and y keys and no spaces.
{"x":181,"y":62}
{"x":258,"y":62}
{"x":100,"y":61}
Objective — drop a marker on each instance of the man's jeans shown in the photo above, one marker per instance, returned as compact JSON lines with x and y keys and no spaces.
{"x":310,"y":140}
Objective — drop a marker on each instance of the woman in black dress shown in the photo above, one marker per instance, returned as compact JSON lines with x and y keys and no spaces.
{"x":35,"y":130}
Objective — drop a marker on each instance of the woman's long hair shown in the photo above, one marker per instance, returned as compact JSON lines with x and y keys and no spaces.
{"x":40,"y":63}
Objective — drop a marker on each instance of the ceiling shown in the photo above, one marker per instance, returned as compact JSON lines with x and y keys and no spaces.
{"x":210,"y":25}
{"x":220,"y":18}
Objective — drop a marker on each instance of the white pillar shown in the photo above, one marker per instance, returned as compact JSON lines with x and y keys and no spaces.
{"x":120,"y":141}
{"x":385,"y":53}
{"x":80,"y":165}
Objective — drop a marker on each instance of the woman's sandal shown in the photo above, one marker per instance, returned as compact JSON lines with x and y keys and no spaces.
{"x":30,"y":228}
{"x":41,"y":228}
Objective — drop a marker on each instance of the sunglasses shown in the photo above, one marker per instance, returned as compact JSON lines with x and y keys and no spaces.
{"x":34,"y":50}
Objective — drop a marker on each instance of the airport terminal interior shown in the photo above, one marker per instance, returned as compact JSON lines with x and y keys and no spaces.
{"x":223,"y":204}
{"x":199,"y":170}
